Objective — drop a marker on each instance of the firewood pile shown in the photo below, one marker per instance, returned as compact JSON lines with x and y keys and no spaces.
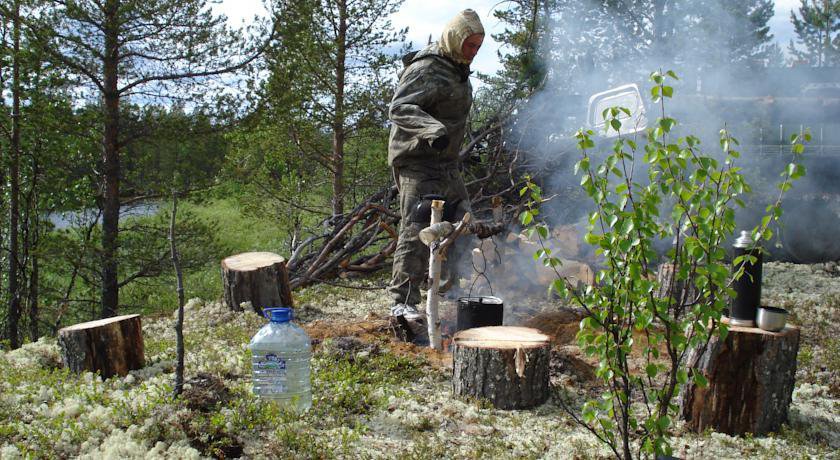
{"x":358,"y":242}
{"x":364,"y":239}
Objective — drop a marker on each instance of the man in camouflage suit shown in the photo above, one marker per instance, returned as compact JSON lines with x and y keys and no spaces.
{"x":428,"y":114}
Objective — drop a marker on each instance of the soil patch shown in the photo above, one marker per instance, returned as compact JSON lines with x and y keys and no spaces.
{"x":204,"y":392}
{"x":369,"y":334}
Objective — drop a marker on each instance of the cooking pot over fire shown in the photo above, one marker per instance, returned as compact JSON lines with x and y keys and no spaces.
{"x":479,"y":311}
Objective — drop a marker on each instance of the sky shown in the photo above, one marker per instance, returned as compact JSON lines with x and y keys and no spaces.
{"x":422,"y":17}
{"x":425,"y":17}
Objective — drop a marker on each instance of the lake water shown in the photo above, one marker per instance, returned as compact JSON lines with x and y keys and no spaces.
{"x":69,"y":219}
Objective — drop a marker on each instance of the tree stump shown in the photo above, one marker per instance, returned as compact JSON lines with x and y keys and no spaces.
{"x":751,"y":376}
{"x":682,"y":289}
{"x":257,"y":277}
{"x":506,"y":365}
{"x":112,"y":346}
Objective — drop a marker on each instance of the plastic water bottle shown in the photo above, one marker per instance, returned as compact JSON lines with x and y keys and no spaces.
{"x":280,"y":354}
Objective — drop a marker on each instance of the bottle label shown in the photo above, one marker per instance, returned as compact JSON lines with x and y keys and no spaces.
{"x":272,"y":362}
{"x":270,"y":370}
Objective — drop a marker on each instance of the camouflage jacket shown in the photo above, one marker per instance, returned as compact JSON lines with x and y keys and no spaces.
{"x":432,"y":100}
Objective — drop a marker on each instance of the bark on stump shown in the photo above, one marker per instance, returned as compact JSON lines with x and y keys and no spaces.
{"x":257,"y":277}
{"x":682,"y":289}
{"x":506,"y":365}
{"x":112,"y":346}
{"x":751,"y":376}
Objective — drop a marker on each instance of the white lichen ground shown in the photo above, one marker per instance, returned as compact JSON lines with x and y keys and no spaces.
{"x":366,"y":405}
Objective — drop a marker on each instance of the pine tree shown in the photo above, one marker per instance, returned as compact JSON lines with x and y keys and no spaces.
{"x":526,"y":26}
{"x":731,"y":33}
{"x":38,"y":155}
{"x":330,"y":74}
{"x":14,"y":310}
{"x":150,"y":49}
{"x":817,"y":28}
{"x":573,"y":42}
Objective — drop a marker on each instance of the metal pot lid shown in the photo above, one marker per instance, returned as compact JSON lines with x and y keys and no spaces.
{"x":484,"y":300}
{"x":492,"y":300}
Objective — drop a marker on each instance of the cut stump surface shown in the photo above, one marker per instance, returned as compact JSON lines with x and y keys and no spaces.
{"x":508,"y":366}
{"x":257,"y":277}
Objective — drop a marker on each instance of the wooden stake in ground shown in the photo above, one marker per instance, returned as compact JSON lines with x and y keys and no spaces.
{"x":435,"y":259}
{"x":751,"y":375}
{"x":257,"y":277}
{"x":506,"y":365}
{"x":112,"y":346}
{"x":439,"y":236}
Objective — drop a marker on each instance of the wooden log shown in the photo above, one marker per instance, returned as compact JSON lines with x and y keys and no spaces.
{"x":575,"y":272}
{"x":511,"y":238}
{"x":111,"y":346}
{"x":257,"y":277}
{"x":506,"y":365}
{"x":751,"y":376}
{"x":566,"y":241}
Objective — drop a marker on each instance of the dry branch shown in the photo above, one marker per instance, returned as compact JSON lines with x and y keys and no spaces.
{"x":363,"y":239}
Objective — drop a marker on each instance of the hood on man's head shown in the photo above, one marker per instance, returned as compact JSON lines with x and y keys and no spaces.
{"x":463,"y":25}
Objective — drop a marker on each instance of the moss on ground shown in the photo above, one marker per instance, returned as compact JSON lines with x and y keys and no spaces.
{"x":371,"y":400}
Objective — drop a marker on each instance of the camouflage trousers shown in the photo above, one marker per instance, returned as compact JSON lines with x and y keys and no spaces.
{"x":411,"y":258}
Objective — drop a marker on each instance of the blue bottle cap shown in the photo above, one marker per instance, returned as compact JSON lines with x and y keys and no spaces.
{"x":278,"y":314}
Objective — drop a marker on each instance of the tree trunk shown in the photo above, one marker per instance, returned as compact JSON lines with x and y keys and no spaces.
{"x":826,"y":49}
{"x":179,"y":280}
{"x":14,"y":188}
{"x":751,"y":376}
{"x":33,"y":237}
{"x":506,"y":365}
{"x":257,"y":277}
{"x":33,"y":300}
{"x":111,"y":346}
{"x":110,"y":163}
{"x":659,"y":31}
{"x":338,"y":119}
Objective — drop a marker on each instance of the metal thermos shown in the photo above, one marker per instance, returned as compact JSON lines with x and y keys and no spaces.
{"x":744,"y":307}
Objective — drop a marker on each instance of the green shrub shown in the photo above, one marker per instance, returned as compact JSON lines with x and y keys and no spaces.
{"x":686,"y":197}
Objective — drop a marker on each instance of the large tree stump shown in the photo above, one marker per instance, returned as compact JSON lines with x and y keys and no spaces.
{"x":111,"y":346}
{"x":751,"y":375}
{"x":506,"y":365}
{"x":257,"y":277}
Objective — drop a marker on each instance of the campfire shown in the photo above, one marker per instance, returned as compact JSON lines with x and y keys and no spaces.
{"x":509,"y":266}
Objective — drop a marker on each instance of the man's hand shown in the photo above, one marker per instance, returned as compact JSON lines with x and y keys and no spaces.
{"x":440,"y":144}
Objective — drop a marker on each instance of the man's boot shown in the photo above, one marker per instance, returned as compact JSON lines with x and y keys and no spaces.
{"x":412,"y":322}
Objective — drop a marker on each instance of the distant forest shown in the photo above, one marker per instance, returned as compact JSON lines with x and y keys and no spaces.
{"x":110,"y":104}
